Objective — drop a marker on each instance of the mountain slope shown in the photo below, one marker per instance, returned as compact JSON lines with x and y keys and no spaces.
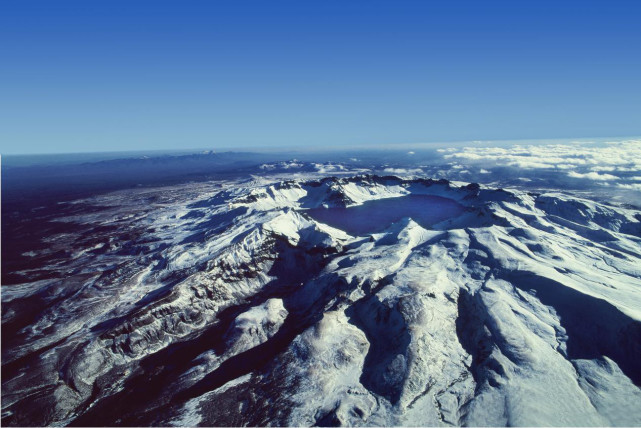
{"x":234,"y":304}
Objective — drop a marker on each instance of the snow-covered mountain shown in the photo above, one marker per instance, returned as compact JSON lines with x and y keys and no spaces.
{"x":361,"y":300}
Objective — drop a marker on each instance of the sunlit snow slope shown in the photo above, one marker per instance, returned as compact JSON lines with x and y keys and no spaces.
{"x":229,"y":304}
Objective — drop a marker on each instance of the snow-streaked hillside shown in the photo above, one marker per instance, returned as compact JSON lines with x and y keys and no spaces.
{"x":230,"y":304}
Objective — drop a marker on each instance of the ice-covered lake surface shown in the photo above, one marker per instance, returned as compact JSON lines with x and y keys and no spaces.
{"x":375,"y":216}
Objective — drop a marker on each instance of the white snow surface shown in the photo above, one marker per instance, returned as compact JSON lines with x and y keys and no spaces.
{"x":524,"y":310}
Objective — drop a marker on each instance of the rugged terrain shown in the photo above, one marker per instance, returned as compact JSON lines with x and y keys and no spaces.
{"x":232,"y":303}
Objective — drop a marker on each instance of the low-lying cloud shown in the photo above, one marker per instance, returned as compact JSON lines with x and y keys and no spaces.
{"x":610,"y":169}
{"x":403,"y":170}
{"x":593,"y":176}
{"x":619,"y":156}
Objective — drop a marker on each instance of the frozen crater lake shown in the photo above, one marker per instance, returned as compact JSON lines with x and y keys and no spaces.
{"x":376,"y":216}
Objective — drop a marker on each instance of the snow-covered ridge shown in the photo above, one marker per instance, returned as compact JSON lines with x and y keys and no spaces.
{"x":241,"y":309}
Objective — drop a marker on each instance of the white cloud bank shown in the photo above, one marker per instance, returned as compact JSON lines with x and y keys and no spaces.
{"x":619,"y":156}
{"x":635,"y":186}
{"x":593,"y":176}
{"x":403,"y":170}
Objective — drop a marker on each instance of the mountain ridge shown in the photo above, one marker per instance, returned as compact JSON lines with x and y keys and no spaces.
{"x":235,"y":294}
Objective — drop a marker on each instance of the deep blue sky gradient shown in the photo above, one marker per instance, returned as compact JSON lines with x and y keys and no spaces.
{"x":119,"y":75}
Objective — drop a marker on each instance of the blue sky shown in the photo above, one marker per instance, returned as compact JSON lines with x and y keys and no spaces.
{"x":79,"y":76}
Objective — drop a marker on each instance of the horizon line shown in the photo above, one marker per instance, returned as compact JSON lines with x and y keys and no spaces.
{"x":337,"y":147}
